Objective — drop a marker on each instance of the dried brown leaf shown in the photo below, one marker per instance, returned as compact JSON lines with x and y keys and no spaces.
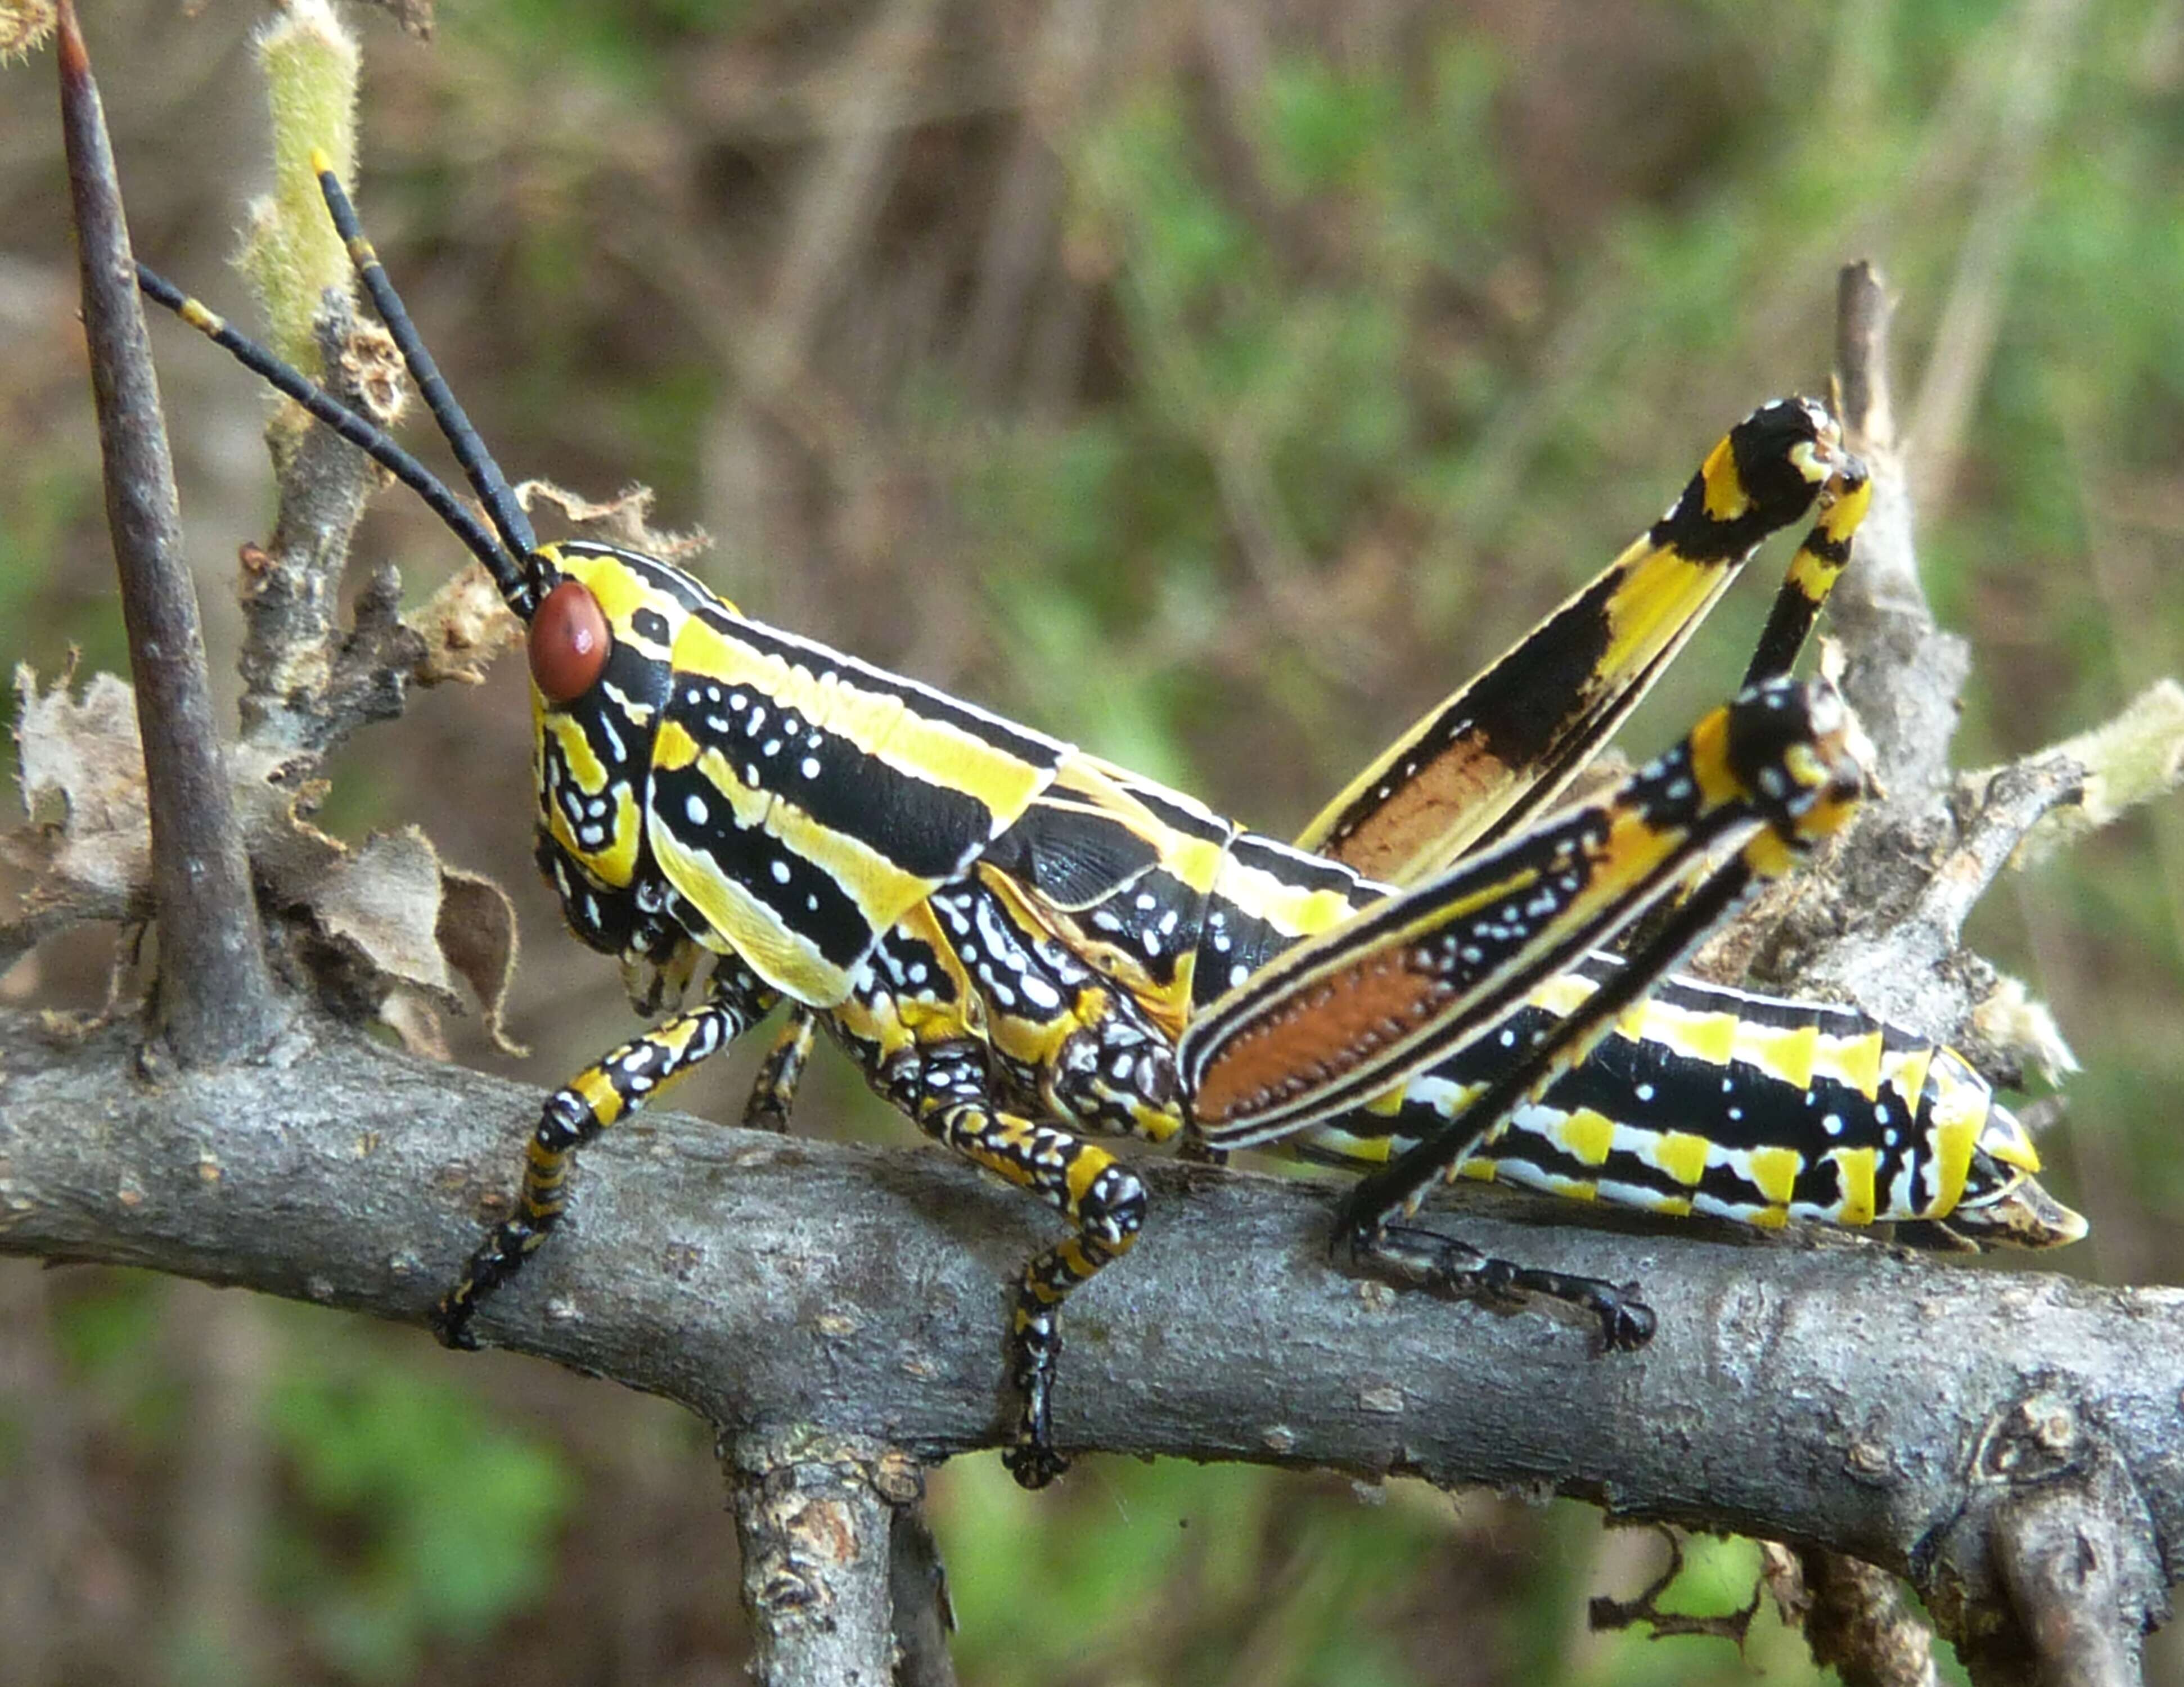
{"x":82,"y":779}
{"x":465,"y":625}
{"x":397,"y":918}
{"x":624,"y":520}
{"x":477,"y":932}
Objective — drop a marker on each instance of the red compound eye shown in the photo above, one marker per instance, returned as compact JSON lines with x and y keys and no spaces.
{"x":568,"y":643}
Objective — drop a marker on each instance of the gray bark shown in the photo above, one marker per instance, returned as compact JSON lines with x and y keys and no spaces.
{"x":1823,"y":1390}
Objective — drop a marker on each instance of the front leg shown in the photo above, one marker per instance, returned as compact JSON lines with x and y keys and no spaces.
{"x":602,"y":1093}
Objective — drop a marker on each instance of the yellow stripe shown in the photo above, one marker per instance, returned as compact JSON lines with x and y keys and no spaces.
{"x":615,"y":865}
{"x":1709,"y":742}
{"x":878,"y":724}
{"x":1708,"y":1037}
{"x":1084,"y":1171}
{"x":1958,"y":1113}
{"x":943,"y":754}
{"x":1774,"y":1172}
{"x":880,"y":888}
{"x":1811,"y":575}
{"x":1770,"y":857}
{"x":1854,"y":1061}
{"x":1586,"y":1136}
{"x":599,"y":1095}
{"x":1291,"y":910}
{"x":1659,"y":602}
{"x":1660,"y":597}
{"x":1839,"y":522}
{"x":1682,"y":1156}
{"x":1784,"y":1055}
{"x":1726,"y":497}
{"x":1857,"y":1166}
{"x":739,"y":921}
{"x":1563,"y":995}
{"x":622,"y":591}
{"x":864,"y":719}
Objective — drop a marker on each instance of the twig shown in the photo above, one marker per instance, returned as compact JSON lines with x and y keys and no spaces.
{"x":292,"y":658}
{"x":1903,"y":674}
{"x":923,"y":1617}
{"x":216,"y":996}
{"x":2066,"y":1530}
{"x":2068,"y":1564}
{"x":816,"y":1532}
{"x":1857,"y":1624}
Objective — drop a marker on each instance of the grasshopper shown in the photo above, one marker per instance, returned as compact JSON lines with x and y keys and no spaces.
{"x":1025,"y":947}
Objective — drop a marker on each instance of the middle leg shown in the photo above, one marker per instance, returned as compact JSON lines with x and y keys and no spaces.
{"x":948,"y":1090}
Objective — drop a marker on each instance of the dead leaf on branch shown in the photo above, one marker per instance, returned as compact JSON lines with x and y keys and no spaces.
{"x":465,"y":625}
{"x":626,"y":519}
{"x":82,"y":770}
{"x":390,"y":917}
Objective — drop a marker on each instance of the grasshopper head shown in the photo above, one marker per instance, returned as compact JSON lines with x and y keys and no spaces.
{"x":2003,"y":1204}
{"x":601,"y":643}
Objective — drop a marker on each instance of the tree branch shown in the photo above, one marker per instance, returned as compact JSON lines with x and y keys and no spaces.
{"x":216,"y":992}
{"x":1821,"y":1390}
{"x":818,"y":1536}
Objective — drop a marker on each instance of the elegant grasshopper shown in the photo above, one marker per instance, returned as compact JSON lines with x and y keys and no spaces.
{"x":1023,"y":945}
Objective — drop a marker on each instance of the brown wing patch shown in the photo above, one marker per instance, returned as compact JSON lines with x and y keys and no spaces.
{"x":1319,"y":1034}
{"x":1427,"y":805}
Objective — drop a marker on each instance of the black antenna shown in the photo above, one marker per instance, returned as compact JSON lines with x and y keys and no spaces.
{"x":483,"y":474}
{"x":504,"y":563}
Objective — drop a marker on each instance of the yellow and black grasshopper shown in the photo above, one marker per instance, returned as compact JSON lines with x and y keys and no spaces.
{"x":1020,"y":943}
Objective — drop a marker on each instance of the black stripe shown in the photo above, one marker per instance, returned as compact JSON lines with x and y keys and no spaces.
{"x":1681,"y":1093}
{"x":1294,"y":868}
{"x":1522,"y":706}
{"x":927,"y":829}
{"x":805,"y":897}
{"x":1232,"y":937}
{"x":1072,"y":856}
{"x":1832,"y":1019}
{"x":661,"y":577}
{"x":1155,"y":920}
{"x":1191,"y":822}
{"x":1834,"y":552}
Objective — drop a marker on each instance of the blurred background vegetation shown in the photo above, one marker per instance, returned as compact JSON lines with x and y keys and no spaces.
{"x":1213,"y":383}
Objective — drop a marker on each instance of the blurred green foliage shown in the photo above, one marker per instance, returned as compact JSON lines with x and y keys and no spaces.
{"x":1342,"y":342}
{"x":446,"y":1517}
